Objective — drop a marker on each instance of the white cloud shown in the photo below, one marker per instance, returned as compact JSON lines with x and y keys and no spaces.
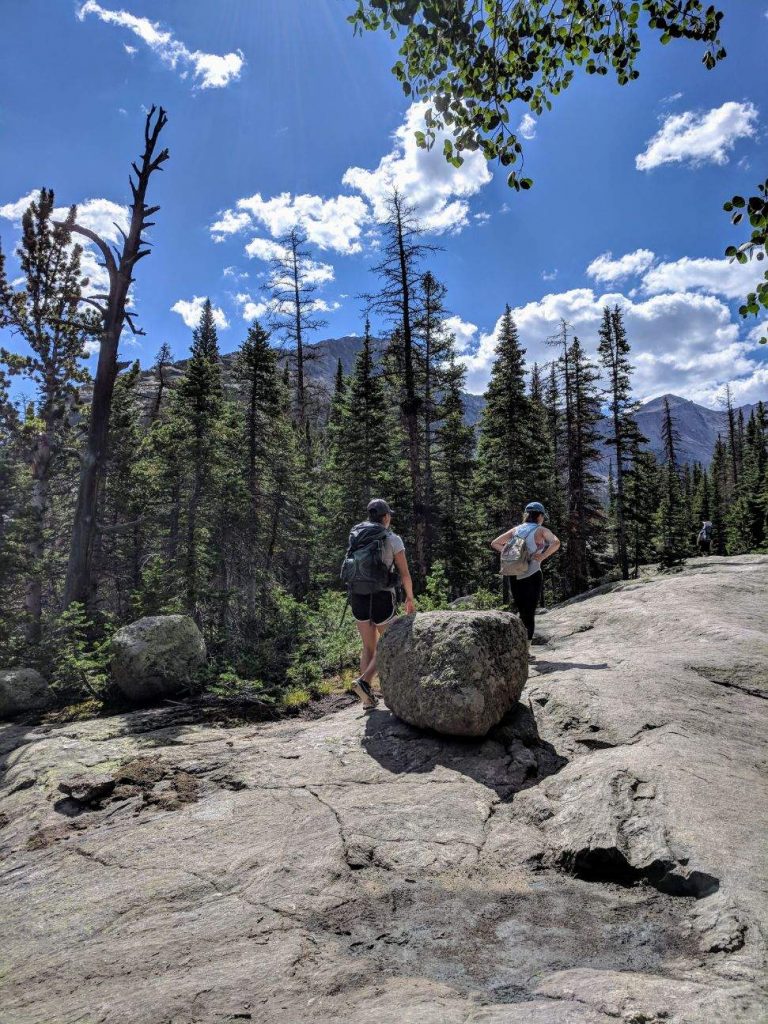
{"x":334,"y":223}
{"x":130,"y":50}
{"x":549,"y":275}
{"x":209,"y":70}
{"x":464,"y":332}
{"x":234,"y":273}
{"x":606,"y":269}
{"x":438,"y":191}
{"x":760,"y":331}
{"x":15,"y":211}
{"x":682,"y":342}
{"x":720,"y":277}
{"x":250,"y":308}
{"x":672,"y":98}
{"x":699,"y":138}
{"x":749,"y":389}
{"x":230,"y":222}
{"x":265,"y":249}
{"x":527,"y":127}
{"x":344,"y":223}
{"x":321,"y":306}
{"x":190,"y":310}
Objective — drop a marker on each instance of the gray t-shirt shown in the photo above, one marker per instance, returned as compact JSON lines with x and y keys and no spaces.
{"x":393,"y":545}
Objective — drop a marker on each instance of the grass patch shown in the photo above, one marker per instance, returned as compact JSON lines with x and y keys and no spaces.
{"x":296,"y":698}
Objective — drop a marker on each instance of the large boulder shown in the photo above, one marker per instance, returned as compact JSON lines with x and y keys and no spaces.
{"x":22,"y":689}
{"x":156,"y":657}
{"x":456,"y":672}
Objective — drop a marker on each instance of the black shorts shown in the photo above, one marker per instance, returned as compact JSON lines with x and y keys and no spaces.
{"x":378,"y":608}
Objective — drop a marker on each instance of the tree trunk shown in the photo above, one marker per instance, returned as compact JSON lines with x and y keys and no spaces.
{"x":114,"y":316}
{"x":410,"y":410}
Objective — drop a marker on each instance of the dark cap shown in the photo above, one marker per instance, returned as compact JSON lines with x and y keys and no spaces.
{"x":379,"y":507}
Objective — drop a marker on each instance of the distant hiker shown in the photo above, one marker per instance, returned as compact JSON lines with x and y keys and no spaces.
{"x":523,"y":549}
{"x":704,"y":539}
{"x":370,"y":568}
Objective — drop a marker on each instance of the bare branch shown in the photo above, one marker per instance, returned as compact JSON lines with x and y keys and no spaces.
{"x":120,"y":527}
{"x":129,"y":318}
{"x":109,"y":260}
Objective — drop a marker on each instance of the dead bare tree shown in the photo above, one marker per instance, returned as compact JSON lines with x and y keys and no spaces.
{"x":120,"y":266}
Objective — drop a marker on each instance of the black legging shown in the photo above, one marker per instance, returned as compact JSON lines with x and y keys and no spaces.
{"x":526,"y":594}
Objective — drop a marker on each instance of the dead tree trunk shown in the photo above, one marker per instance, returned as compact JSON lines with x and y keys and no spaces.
{"x":120,"y":267}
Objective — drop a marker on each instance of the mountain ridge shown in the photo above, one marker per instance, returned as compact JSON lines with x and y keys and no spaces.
{"x":696,"y":425}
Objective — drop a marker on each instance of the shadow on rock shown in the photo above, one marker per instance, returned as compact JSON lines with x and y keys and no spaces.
{"x":545,"y":667}
{"x":512,"y":757}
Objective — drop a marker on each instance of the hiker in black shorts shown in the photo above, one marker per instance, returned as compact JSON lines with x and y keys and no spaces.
{"x":374,"y":553}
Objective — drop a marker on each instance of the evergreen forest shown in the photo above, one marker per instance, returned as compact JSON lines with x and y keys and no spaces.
{"x":229,"y":496}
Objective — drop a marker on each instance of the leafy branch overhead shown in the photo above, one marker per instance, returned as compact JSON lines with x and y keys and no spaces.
{"x":472,"y":59}
{"x":756,"y":209}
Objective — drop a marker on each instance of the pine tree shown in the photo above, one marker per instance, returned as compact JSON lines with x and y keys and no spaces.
{"x":733,"y":440}
{"x":643,"y":479}
{"x":585,"y":517}
{"x":163,"y":360}
{"x":435,"y":349}
{"x":45,"y":313}
{"x":199,"y":407}
{"x":506,"y":449}
{"x":671,"y":518}
{"x":255,"y":370}
{"x":453,"y":477}
{"x":14,"y":496}
{"x":719,"y":476}
{"x":292,"y":286}
{"x":702,"y":497}
{"x":122,"y":506}
{"x":544,"y":481}
{"x":614,"y":357}
{"x":399,"y":302}
{"x":745,"y":519}
{"x":363,"y":461}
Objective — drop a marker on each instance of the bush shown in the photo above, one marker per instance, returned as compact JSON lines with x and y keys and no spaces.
{"x":77,"y":651}
{"x":438,"y":591}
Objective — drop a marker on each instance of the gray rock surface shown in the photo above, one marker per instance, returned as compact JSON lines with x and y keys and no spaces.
{"x":156,"y":657}
{"x":458,"y":673}
{"x":22,"y":689}
{"x":597,"y":859}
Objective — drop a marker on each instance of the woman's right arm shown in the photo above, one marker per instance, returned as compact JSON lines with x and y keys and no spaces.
{"x":405,"y":578}
{"x":502,"y":539}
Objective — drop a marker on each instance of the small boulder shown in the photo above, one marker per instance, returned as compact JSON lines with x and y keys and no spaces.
{"x":22,"y":689}
{"x":156,"y":657}
{"x":455,"y":672}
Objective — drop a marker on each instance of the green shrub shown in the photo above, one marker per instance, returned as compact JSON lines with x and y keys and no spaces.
{"x":438,"y":591}
{"x":77,"y":651}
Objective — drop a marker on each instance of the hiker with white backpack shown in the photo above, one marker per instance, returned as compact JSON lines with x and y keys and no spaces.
{"x":522,"y":550}
{"x":374,"y":560}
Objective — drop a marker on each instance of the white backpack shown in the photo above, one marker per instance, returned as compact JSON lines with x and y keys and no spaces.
{"x":515,"y":556}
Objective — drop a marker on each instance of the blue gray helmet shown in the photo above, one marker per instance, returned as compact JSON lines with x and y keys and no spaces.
{"x":536,"y":506}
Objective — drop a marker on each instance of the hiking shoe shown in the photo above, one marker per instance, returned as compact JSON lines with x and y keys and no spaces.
{"x":365,"y":693}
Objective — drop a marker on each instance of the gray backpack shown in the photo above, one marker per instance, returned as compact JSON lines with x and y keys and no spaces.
{"x":515,"y":556}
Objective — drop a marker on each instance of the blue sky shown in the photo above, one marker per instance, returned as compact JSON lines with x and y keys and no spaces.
{"x":278,"y":115}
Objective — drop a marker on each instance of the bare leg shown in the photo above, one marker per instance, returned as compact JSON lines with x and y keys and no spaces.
{"x":369,"y":636}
